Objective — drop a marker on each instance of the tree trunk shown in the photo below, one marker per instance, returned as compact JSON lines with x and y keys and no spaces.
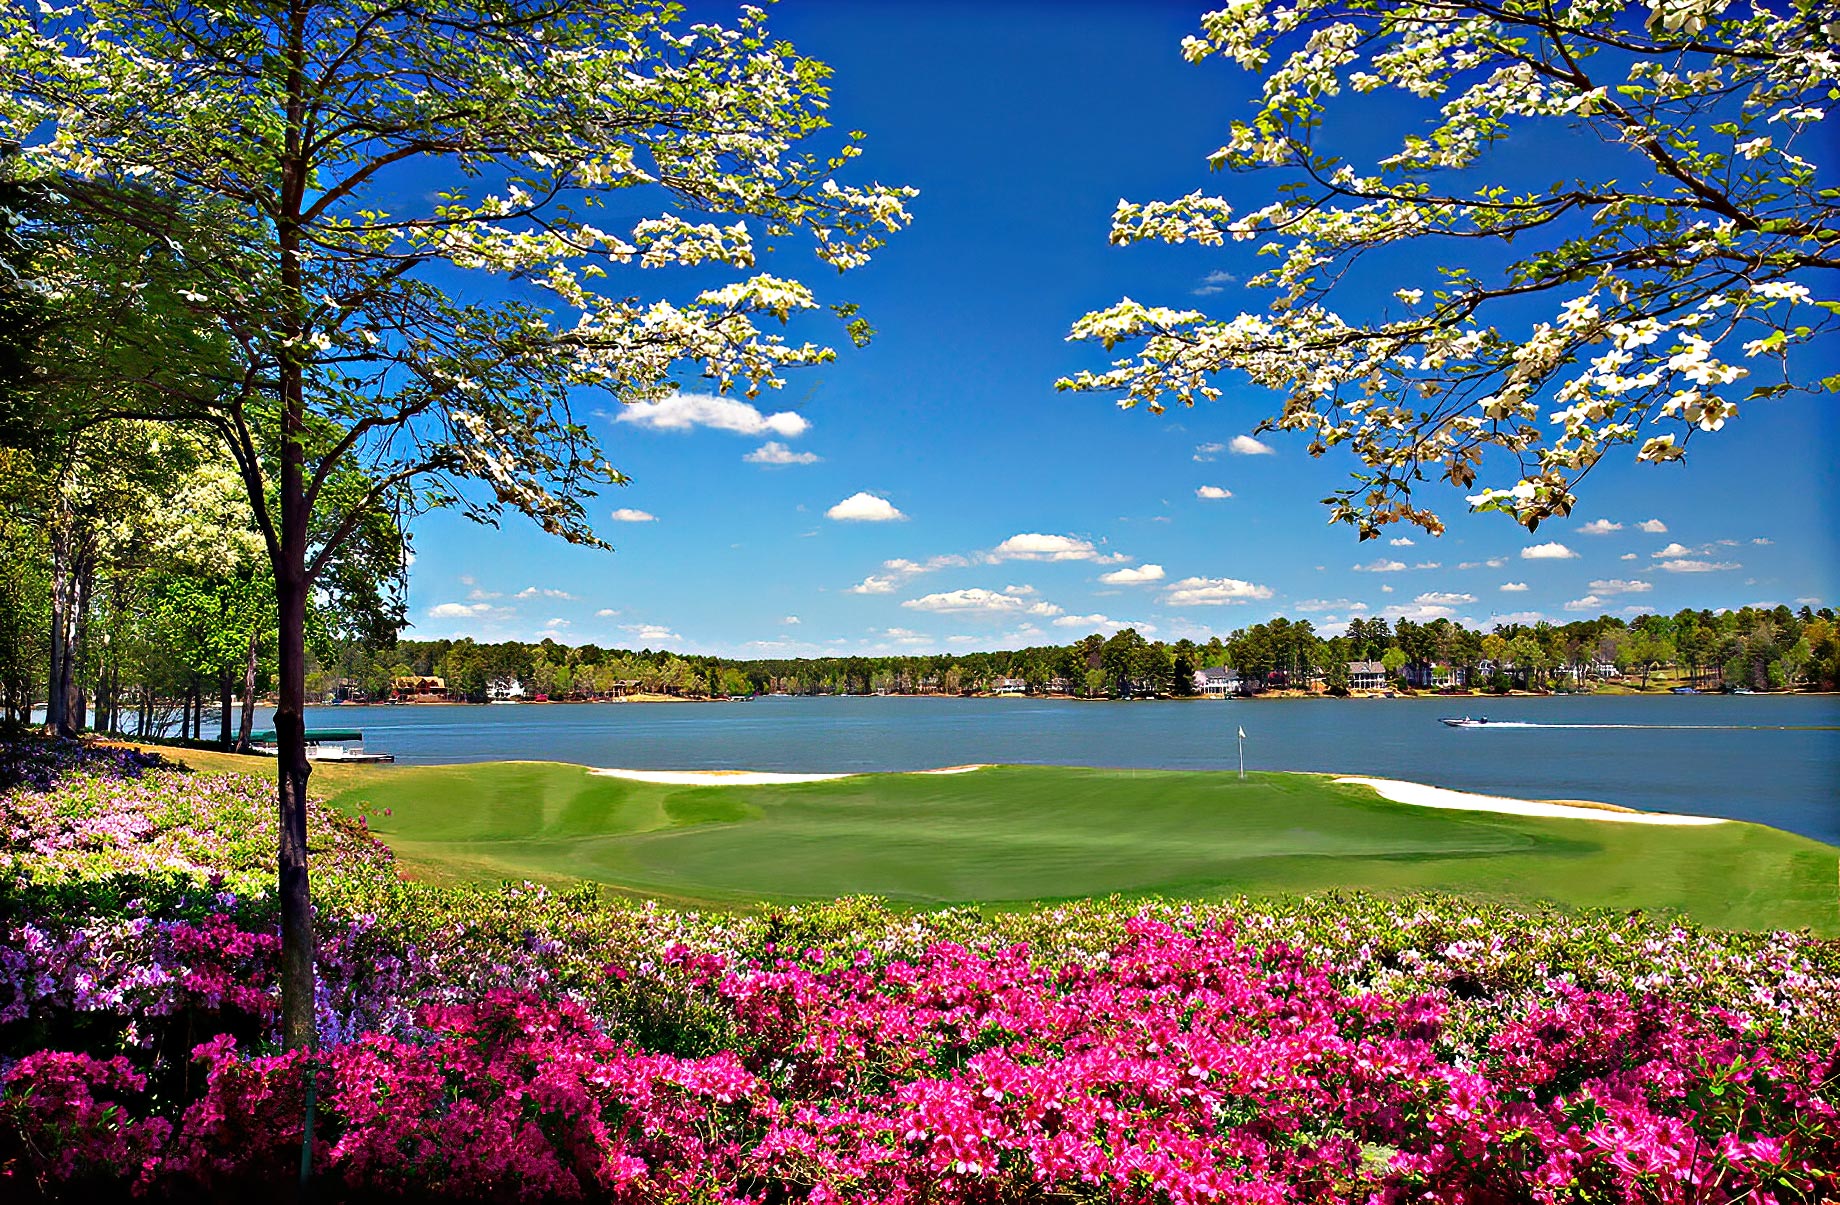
{"x":249,"y":689}
{"x":224,"y":699}
{"x":57,"y":693}
{"x":297,"y":1019}
{"x":77,"y":707}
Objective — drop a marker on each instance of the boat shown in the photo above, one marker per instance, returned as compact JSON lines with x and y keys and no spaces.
{"x":1465,"y":722}
{"x":326,"y":744}
{"x":1683,"y":690}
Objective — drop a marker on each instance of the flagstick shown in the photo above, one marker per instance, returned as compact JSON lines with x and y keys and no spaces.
{"x":1242,"y":754}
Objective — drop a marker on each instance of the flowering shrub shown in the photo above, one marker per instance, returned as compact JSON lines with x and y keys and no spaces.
{"x":529,"y":1045}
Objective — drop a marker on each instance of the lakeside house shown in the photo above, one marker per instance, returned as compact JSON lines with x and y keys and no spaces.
{"x":347,"y":690}
{"x":419,"y":689}
{"x":1366,"y":675}
{"x":1009,"y":686}
{"x":1060,"y":686}
{"x":1217,"y":681}
{"x":1435,"y":677}
{"x":1597,"y":668}
{"x":505,"y":690}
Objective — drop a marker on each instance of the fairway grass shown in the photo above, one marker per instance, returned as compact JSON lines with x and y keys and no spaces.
{"x":1015,"y":835}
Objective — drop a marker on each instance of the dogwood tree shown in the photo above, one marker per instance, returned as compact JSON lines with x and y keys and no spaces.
{"x":1540,"y":319}
{"x":324,"y":174}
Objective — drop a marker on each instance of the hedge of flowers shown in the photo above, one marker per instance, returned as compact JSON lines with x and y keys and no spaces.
{"x":534,"y":1045}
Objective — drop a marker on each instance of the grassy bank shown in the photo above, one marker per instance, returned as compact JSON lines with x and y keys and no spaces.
{"x":1009,"y":836}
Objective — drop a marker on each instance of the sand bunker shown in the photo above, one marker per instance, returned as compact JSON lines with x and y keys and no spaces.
{"x":1420,"y":795}
{"x":744,"y":778}
{"x":717,"y":778}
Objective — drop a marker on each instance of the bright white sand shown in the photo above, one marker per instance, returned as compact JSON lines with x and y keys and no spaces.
{"x":1420,"y":795}
{"x":744,"y":778}
{"x":716,"y":778}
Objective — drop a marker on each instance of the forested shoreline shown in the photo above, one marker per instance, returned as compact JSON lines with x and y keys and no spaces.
{"x":1753,"y":648}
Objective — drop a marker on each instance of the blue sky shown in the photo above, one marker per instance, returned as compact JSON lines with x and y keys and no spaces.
{"x":1026,"y":516}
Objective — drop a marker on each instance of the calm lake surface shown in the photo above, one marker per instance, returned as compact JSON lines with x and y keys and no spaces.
{"x":1771,"y":759}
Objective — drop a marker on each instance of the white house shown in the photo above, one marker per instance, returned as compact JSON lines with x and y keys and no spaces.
{"x":1009,"y":686}
{"x":1217,"y":682}
{"x":1434,"y":677}
{"x":1366,"y":675}
{"x":505,"y":690}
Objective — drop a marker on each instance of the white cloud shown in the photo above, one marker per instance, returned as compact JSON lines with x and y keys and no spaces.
{"x":1381,"y":566}
{"x":1214,"y":492}
{"x":688,"y":411}
{"x":605,"y":613}
{"x":544,"y":592}
{"x":1589,"y":602}
{"x":1617,"y":585}
{"x":1419,"y":612}
{"x":1653,"y":527}
{"x":1494,"y":562}
{"x":650,"y":633}
{"x":1438,"y":598}
{"x":1514,"y":587}
{"x":557,"y":624}
{"x":1808,"y":602}
{"x":1133,"y":577}
{"x":1629,"y":556}
{"x":873,"y":585}
{"x":1699,"y":566}
{"x":1401,"y":541}
{"x":864,"y":508}
{"x":475,"y":595}
{"x":1037,"y":546}
{"x":1600,"y":527}
{"x":627,"y":514}
{"x":775,"y":452}
{"x":1762,"y":540}
{"x":1386,"y":589}
{"x":1553,"y":551}
{"x":1213,"y":592}
{"x":1673,"y":550}
{"x":791,"y":619}
{"x":1205,"y":453}
{"x":1214,"y":282}
{"x":1429,"y":565}
{"x":1245,"y":445}
{"x":906,"y":636}
{"x":1311,"y":605}
{"x":980,"y":601}
{"x":1101,"y":623}
{"x":454,"y":610}
{"x":1518,"y":617}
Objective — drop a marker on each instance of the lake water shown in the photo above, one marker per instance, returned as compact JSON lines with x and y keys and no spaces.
{"x":1768,"y":758}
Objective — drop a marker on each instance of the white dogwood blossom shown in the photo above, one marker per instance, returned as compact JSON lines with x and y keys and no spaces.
{"x":279,"y":156}
{"x":1644,"y":295}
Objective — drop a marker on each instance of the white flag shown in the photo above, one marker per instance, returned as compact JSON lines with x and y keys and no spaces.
{"x":1242,"y":732}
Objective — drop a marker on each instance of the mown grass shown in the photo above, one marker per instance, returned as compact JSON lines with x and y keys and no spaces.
{"x":1014,"y":835}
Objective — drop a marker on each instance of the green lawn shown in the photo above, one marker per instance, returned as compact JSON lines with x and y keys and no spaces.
{"x":1012,"y":835}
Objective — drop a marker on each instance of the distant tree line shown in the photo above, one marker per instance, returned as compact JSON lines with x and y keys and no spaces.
{"x":1751,"y":647}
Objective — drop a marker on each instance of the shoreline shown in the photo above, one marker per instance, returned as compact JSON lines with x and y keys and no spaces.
{"x":1267,"y":695}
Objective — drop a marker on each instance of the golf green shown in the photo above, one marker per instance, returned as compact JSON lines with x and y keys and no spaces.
{"x":1010,"y":835}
